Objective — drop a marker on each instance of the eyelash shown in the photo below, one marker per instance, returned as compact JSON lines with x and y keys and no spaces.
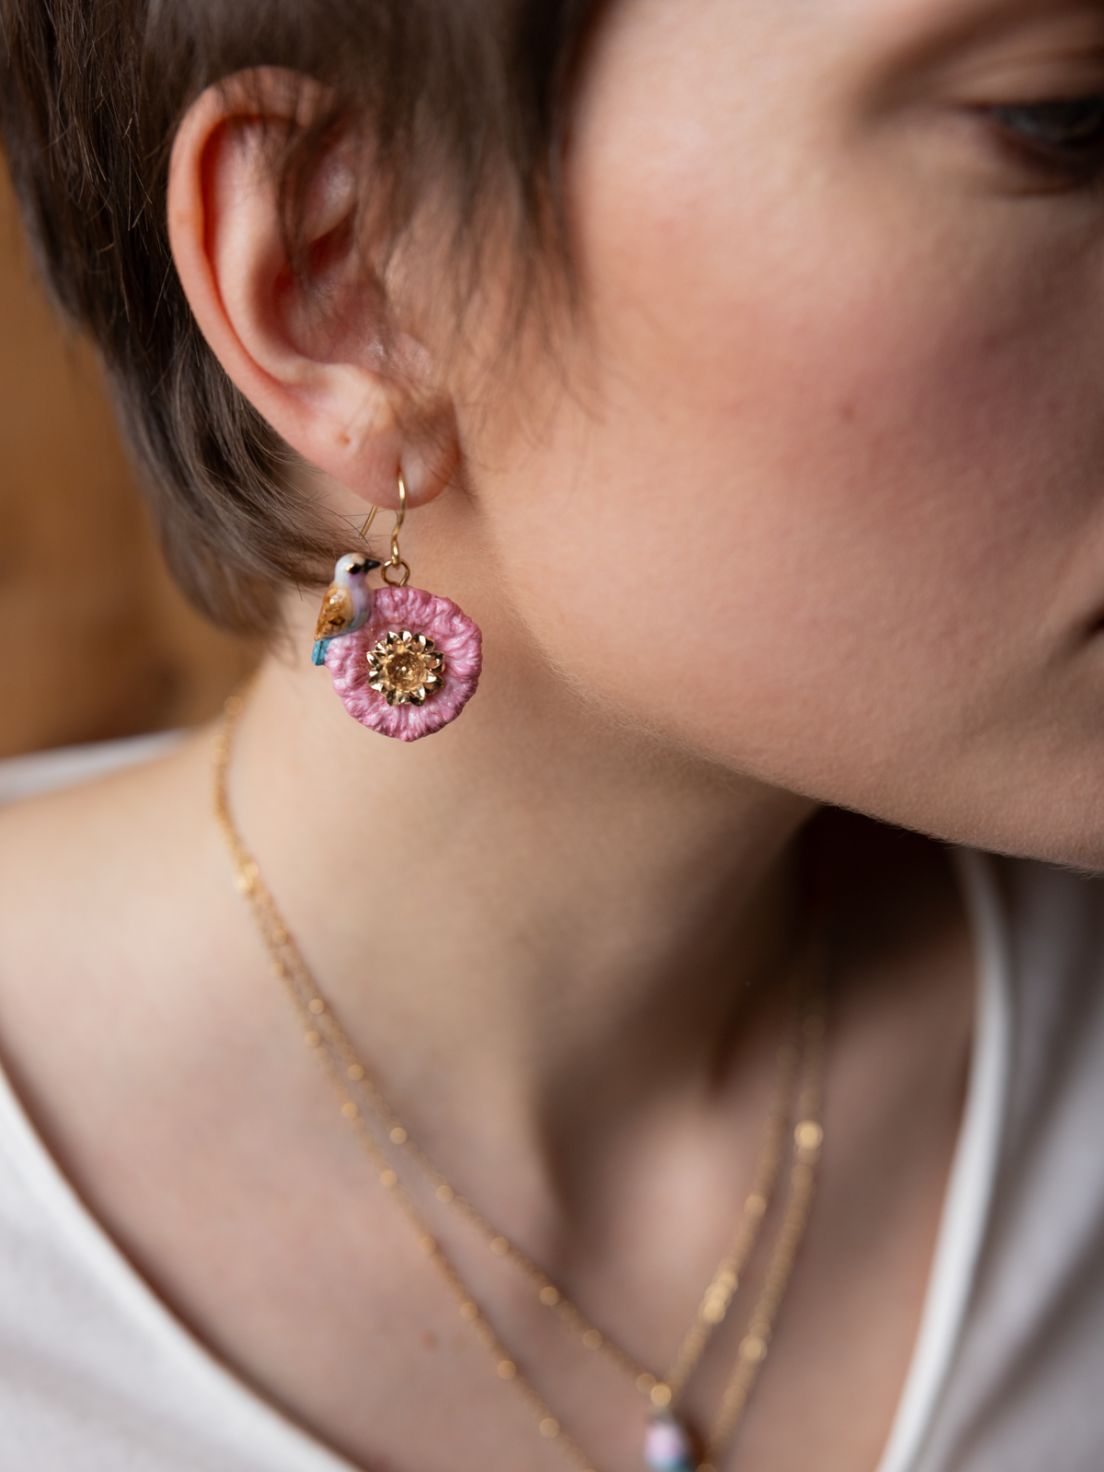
{"x":1062,"y":136}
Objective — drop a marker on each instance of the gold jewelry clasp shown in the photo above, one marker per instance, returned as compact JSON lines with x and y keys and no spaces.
{"x":395,"y":560}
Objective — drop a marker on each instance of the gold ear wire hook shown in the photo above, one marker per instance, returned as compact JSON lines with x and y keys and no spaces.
{"x":394,"y":561}
{"x":398,"y":521}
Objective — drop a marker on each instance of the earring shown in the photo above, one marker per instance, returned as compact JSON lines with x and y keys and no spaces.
{"x":404,"y":662}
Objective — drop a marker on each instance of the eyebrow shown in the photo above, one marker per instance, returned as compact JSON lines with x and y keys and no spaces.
{"x":971,"y":13}
{"x":934,"y":28}
{"x":966,"y":16}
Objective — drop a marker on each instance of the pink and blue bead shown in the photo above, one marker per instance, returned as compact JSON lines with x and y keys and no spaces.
{"x":667,"y":1446}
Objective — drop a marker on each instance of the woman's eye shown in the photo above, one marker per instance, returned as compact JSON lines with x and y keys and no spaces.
{"x":1065,"y":135}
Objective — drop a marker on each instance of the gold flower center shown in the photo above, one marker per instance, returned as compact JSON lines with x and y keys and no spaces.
{"x":405,"y":668}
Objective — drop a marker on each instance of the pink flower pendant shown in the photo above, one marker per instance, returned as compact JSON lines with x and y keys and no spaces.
{"x":412,"y":665}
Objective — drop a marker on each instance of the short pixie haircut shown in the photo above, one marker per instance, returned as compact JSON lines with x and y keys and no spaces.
{"x":468,"y":94}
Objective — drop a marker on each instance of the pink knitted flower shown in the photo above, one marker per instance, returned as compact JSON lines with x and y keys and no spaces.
{"x":412,"y":667}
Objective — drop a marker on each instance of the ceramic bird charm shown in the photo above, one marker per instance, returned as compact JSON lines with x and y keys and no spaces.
{"x":346,"y":604}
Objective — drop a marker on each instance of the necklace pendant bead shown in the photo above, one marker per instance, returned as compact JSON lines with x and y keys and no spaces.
{"x":667,"y":1445}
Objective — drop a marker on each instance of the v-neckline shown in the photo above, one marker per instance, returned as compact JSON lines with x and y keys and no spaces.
{"x":963,"y":1220}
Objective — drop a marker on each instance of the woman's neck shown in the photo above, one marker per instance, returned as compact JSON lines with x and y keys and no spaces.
{"x":536,"y":917}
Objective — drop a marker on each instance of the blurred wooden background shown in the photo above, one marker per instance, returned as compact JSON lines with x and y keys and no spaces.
{"x":95,"y":641}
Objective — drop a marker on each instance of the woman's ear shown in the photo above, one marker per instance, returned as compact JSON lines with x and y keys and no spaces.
{"x":318,"y":376}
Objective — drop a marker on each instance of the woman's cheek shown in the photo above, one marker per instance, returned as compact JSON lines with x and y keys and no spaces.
{"x":846,"y":494}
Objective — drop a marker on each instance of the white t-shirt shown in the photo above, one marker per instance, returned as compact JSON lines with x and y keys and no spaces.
{"x":1007,"y":1371}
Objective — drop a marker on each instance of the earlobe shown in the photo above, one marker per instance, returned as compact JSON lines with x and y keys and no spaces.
{"x":320,"y":387}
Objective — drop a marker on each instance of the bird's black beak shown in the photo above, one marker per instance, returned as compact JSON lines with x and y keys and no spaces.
{"x":371,"y":563}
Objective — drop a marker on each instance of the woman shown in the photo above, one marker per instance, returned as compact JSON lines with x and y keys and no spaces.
{"x":735,"y":370}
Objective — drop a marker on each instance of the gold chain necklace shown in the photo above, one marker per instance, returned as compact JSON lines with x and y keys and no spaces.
{"x":324,"y":1035}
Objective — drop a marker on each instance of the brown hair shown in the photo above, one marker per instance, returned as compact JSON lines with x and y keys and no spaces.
{"x":471,"y":93}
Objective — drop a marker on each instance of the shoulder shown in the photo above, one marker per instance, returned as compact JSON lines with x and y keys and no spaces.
{"x":73,"y":826}
{"x":92,"y":886}
{"x":63,"y":813}
{"x":65,"y":863}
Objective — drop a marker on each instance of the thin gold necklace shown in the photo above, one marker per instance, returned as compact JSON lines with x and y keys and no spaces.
{"x":324,"y":1035}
